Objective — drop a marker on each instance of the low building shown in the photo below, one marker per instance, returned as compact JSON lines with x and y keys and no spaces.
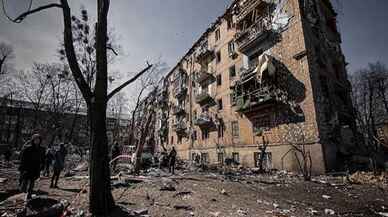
{"x":19,"y":120}
{"x":266,"y":70}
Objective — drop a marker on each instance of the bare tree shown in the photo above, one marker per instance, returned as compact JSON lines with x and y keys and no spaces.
{"x":297,"y":137}
{"x":34,"y":86}
{"x":60,"y":101}
{"x":145,"y":121}
{"x":369,"y":96}
{"x":6,"y":54}
{"x":262,"y":156}
{"x":100,"y":196}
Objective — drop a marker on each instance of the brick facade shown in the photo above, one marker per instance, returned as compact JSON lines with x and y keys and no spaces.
{"x":215,"y":131}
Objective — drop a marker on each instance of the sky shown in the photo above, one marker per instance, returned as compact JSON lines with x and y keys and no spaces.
{"x":152,"y":30}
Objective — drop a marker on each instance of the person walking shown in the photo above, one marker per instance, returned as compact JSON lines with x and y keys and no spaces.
{"x":31,"y":163}
{"x":172,"y":159}
{"x":49,"y":157}
{"x":115,"y":152}
{"x":7,"y":156}
{"x":59,"y":165}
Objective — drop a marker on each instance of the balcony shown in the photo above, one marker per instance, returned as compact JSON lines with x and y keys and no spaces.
{"x":252,"y":36}
{"x":204,"y":120}
{"x":204,"y":53}
{"x":178,"y":110}
{"x":163,"y":132}
{"x":180,"y":91}
{"x":180,"y":127}
{"x":204,"y":98}
{"x":204,"y":76}
{"x":259,"y":98}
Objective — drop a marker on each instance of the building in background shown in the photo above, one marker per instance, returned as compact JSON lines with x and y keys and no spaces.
{"x":265,"y":69}
{"x":19,"y":120}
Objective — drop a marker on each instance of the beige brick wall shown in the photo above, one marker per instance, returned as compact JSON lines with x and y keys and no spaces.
{"x":292,"y":43}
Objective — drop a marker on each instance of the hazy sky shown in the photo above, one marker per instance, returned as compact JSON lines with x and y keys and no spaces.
{"x":149,"y":29}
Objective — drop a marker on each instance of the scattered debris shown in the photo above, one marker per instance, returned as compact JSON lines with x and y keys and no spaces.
{"x":313,"y":211}
{"x":184,"y":207}
{"x":223,"y":191}
{"x":141,"y":212}
{"x":215,"y":214}
{"x":329,"y":212}
{"x":242,"y":212}
{"x":385,"y":214}
{"x":167,"y":187}
{"x":182,"y":193}
{"x":368,"y":178}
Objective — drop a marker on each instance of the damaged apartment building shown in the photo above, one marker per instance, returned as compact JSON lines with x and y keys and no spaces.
{"x":265,"y":70}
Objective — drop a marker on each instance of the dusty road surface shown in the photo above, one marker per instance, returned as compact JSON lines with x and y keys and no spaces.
{"x":209,"y":194}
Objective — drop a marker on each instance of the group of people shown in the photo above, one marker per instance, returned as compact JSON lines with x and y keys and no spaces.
{"x":34,"y":158}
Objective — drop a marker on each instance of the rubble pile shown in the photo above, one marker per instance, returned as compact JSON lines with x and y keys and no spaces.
{"x":369,"y":178}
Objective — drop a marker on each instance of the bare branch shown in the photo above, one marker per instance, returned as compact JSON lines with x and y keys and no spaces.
{"x":111,"y":94}
{"x":71,"y":56}
{"x":22,"y":16}
{"x":112,"y":49}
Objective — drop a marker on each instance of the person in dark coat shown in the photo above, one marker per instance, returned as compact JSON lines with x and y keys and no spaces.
{"x":59,"y":165}
{"x":49,"y":157}
{"x":172,"y":159}
{"x":115,"y":153}
{"x":7,"y":155}
{"x":31,"y":163}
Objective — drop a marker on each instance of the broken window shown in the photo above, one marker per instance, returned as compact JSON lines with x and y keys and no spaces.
{"x":205,"y":134}
{"x":232,"y":71}
{"x":218,"y":34}
{"x":229,"y":22}
{"x":231,"y":48}
{"x":220,"y":158}
{"x":235,"y":129}
{"x":194,"y":135}
{"x":218,"y":57}
{"x":204,"y":158}
{"x":261,"y":123}
{"x":221,"y":129}
{"x":253,"y":59}
{"x":219,"y":80}
{"x":220,"y":106}
{"x":236,"y":157}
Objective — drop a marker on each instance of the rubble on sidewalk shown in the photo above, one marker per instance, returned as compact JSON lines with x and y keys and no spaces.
{"x":369,"y":178}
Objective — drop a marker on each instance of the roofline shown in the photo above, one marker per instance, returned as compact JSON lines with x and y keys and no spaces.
{"x":205,"y":34}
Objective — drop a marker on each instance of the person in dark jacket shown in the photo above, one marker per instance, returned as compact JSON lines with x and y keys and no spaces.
{"x":7,"y":155}
{"x":31,"y":163}
{"x":59,"y":165}
{"x":115,"y":153}
{"x":172,"y":159}
{"x":49,"y":157}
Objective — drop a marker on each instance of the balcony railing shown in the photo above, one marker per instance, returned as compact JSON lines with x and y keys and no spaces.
{"x":261,"y":96}
{"x":205,"y":53}
{"x":178,"y":110}
{"x":203,"y":76}
{"x":204,"y":98}
{"x":180,"y":91}
{"x":180,"y":127}
{"x":204,"y":120}
{"x":252,"y":35}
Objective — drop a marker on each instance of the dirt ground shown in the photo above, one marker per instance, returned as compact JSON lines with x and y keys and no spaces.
{"x":207,"y":194}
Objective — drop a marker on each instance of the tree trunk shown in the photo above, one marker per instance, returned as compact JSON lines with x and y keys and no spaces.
{"x":100,"y":196}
